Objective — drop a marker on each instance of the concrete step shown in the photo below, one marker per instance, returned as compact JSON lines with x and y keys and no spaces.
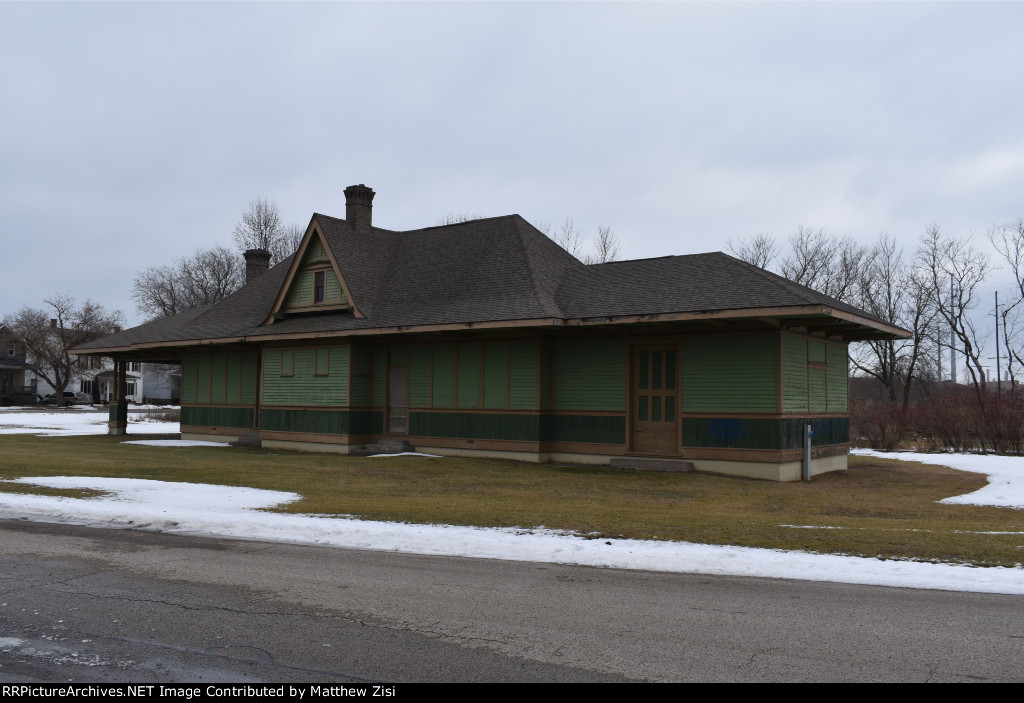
{"x":652,"y":464}
{"x":385,"y":445}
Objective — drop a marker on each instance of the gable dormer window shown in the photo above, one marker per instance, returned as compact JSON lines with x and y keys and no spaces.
{"x":319,"y":286}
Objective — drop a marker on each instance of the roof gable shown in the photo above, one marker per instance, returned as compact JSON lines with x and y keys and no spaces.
{"x":314,"y":282}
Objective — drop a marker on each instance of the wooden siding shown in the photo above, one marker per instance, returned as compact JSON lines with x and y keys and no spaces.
{"x":380,"y":376}
{"x":420,"y":358}
{"x":469,"y":376}
{"x":444,"y":376}
{"x":729,"y":373}
{"x":755,"y":433}
{"x":304,"y":387}
{"x":794,"y":374}
{"x":322,"y":421}
{"x":522,"y":373}
{"x":817,"y":381}
{"x":212,"y":416}
{"x":838,"y":372}
{"x":300,"y":295}
{"x":589,"y":375}
{"x":362,"y":376}
{"x":224,"y":378}
{"x":189,"y":369}
{"x":496,"y":376}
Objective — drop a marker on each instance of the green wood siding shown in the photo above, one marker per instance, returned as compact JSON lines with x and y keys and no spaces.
{"x":522,"y":391}
{"x":300,"y":295}
{"x":304,"y":387}
{"x":817,"y":379}
{"x":816,"y":351}
{"x":729,"y":373}
{"x":589,"y":375}
{"x":189,"y":367}
{"x":212,"y":416}
{"x":419,"y":376}
{"x":362,"y":376}
{"x":203,"y":379}
{"x":469,"y":375}
{"x":228,"y":379}
{"x":838,"y":368}
{"x":520,"y":427}
{"x":323,"y":421}
{"x":496,"y":376}
{"x":444,"y":376}
{"x":794,"y":374}
{"x":332,"y":288}
{"x":380,"y":375}
{"x":750,"y":433}
{"x":218,"y":382}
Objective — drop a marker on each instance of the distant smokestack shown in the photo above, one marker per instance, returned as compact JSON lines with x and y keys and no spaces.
{"x":257,"y":262}
{"x":359,"y":206}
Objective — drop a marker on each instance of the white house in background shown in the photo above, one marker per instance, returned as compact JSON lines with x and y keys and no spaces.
{"x":95,"y":376}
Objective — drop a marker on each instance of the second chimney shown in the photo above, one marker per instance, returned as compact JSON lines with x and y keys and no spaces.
{"x":359,"y":206}
{"x":257,"y":261}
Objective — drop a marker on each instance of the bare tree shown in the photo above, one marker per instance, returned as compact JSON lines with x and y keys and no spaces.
{"x":606,"y":247}
{"x":260,"y":225}
{"x":760,"y":250}
{"x":570,"y":238}
{"x":950,"y":263}
{"x":822,"y":260}
{"x":454,"y":218}
{"x":1008,"y":240}
{"x":205,"y":278}
{"x":286,"y":243}
{"x":50,"y":333}
{"x":898,"y":294}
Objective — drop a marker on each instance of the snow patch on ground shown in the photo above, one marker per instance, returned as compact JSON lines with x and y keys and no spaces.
{"x":64,"y":424}
{"x":377,"y":456}
{"x":1005,"y":487}
{"x":235,"y":512}
{"x":176,"y":443}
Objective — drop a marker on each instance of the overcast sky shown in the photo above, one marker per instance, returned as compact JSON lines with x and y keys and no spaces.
{"x":134,"y":133}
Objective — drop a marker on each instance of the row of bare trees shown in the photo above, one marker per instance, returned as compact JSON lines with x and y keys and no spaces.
{"x":212,"y":274}
{"x":932,"y":292}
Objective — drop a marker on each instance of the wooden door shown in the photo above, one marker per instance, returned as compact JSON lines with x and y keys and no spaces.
{"x":654,"y":400}
{"x":398,"y":400}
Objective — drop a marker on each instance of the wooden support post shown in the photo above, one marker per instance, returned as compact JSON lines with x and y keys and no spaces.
{"x":117,"y":423}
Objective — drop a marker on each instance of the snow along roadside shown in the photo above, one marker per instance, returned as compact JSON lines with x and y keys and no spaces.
{"x":225,"y":511}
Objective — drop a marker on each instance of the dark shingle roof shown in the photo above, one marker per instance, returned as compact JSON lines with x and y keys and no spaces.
{"x":495,"y":270}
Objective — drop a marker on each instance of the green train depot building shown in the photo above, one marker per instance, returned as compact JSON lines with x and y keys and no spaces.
{"x":485,"y":338}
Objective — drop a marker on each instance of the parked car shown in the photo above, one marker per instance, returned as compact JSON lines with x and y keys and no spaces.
{"x":70,"y":399}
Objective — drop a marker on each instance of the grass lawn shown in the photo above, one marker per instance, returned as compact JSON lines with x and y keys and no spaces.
{"x":885,"y":508}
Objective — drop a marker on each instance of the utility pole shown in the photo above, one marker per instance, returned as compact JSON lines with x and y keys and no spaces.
{"x":952,"y":334}
{"x":999,"y":380}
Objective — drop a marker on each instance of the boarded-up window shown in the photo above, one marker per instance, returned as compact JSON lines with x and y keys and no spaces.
{"x":322,"y":364}
{"x":288,"y":362}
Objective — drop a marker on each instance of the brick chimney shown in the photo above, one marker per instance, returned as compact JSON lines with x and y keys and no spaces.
{"x":359,"y":205}
{"x":257,"y":262}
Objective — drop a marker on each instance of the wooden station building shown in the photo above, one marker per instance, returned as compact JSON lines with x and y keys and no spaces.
{"x":486,"y":338}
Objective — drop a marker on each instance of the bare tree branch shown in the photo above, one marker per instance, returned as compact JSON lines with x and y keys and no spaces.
{"x":760,"y":250}
{"x":48,"y":335}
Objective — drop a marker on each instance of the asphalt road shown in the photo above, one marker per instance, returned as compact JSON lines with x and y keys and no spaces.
{"x":94,"y":605}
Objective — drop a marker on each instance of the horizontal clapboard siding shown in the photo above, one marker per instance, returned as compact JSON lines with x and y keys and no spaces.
{"x":589,"y":375}
{"x":794,"y":374}
{"x":729,"y":373}
{"x":838,"y":371}
{"x":303,"y":387}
